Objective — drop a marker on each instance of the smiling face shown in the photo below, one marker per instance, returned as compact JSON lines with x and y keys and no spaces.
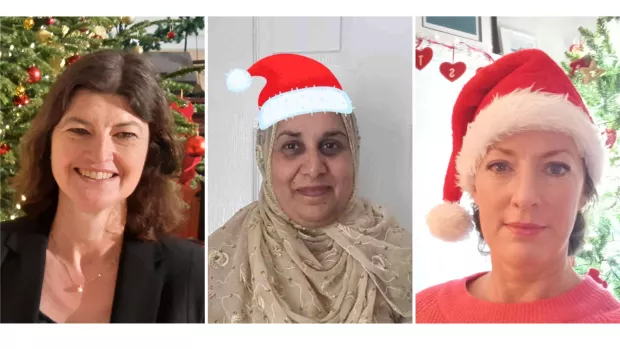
{"x":98,"y":151}
{"x":312,"y":168}
{"x":529,"y":188}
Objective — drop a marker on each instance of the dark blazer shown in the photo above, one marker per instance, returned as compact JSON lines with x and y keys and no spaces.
{"x":160,"y":282}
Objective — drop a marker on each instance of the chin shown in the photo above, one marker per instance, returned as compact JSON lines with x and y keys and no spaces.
{"x":520,"y":253}
{"x":94,"y":203}
{"x":316,"y":217}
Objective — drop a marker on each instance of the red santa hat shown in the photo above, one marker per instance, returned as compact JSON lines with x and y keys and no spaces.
{"x":522,"y":91}
{"x":296,"y":85}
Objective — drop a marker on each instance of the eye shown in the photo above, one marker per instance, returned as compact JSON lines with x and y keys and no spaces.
{"x":126,"y":135}
{"x":557,"y":168}
{"x":78,"y":131}
{"x":499,"y":166}
{"x":292,"y":147}
{"x":331,"y":147}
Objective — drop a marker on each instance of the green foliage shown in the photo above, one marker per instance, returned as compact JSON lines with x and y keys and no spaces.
{"x":48,"y":46}
{"x":187,"y":27}
{"x":602,"y":97}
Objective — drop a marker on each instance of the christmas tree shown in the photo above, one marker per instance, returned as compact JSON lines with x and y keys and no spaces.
{"x":593,"y":66}
{"x":34,"y":50}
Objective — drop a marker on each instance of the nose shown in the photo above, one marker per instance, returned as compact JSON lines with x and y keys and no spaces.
{"x":526,"y":190}
{"x":101,"y":149}
{"x":314,"y":164}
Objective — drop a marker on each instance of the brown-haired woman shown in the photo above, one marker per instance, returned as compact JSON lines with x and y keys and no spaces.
{"x":97,"y":168}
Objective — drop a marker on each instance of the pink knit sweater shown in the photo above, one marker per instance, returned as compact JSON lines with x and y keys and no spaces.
{"x":450,"y":302}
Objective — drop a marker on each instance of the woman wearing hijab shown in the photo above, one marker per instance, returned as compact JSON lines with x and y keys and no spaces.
{"x":309,"y":250}
{"x":97,"y":171}
{"x":528,"y":153}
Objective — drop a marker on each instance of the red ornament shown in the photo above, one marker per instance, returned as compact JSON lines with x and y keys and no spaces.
{"x":35,"y":75}
{"x":580,"y":63}
{"x":73,"y":59}
{"x":83,"y":30}
{"x":595,"y":274}
{"x":171,"y":35}
{"x":187,"y":111}
{"x":51,"y":21}
{"x":4,"y":148}
{"x":423,"y":57}
{"x":575,"y":48}
{"x":195,"y":146}
{"x":98,"y":37}
{"x":452,"y":71}
{"x":611,"y":136}
{"x":22,"y":100}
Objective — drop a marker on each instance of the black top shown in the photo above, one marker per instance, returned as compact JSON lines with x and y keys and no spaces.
{"x":44,"y":319}
{"x":157,"y":282}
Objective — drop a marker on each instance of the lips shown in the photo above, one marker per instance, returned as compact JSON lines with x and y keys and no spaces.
{"x":315,"y":191}
{"x":525,"y":229}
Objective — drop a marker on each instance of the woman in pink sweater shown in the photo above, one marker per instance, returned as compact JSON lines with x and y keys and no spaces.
{"x":525,"y":149}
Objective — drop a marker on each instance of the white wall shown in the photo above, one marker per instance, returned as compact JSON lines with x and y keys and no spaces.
{"x":554,"y":34}
{"x":229,"y":138}
{"x":436,"y":261}
{"x":372,"y":59}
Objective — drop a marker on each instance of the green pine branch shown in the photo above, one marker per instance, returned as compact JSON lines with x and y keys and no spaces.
{"x":602,"y":249}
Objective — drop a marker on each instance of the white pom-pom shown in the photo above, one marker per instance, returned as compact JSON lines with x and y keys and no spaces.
{"x":238,"y":80}
{"x":449,"y":222}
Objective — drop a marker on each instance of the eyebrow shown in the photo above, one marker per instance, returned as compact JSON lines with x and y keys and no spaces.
{"x":543,"y":156}
{"x":334,"y":133}
{"x":79,"y":120}
{"x":290,"y":134}
{"x":325,"y":135}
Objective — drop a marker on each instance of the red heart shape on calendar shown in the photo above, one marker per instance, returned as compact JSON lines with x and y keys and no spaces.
{"x":452,"y":71}
{"x":423,"y":57}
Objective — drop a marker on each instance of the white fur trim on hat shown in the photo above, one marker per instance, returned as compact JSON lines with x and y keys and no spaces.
{"x":527,"y":110}
{"x":449,"y":222}
{"x":303,"y":101}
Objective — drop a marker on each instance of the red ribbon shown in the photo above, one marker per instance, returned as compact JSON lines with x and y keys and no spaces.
{"x":189,"y":165}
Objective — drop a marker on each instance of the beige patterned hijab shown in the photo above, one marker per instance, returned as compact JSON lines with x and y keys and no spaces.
{"x":265,"y":268}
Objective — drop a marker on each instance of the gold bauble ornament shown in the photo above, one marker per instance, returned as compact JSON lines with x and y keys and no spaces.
{"x":128,"y":20}
{"x":20,"y":90}
{"x":101,"y":31}
{"x":44,"y":36}
{"x":57,"y":64}
{"x":137,"y":49}
{"x":58,"y":46}
{"x":28,"y":23}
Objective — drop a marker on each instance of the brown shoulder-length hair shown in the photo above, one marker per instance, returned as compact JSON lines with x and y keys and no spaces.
{"x":156,"y":206}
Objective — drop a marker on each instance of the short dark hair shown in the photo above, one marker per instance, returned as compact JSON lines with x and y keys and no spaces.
{"x":577,"y":236}
{"x":156,"y":206}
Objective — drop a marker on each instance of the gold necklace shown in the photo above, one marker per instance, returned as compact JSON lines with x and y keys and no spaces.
{"x":81,"y":286}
